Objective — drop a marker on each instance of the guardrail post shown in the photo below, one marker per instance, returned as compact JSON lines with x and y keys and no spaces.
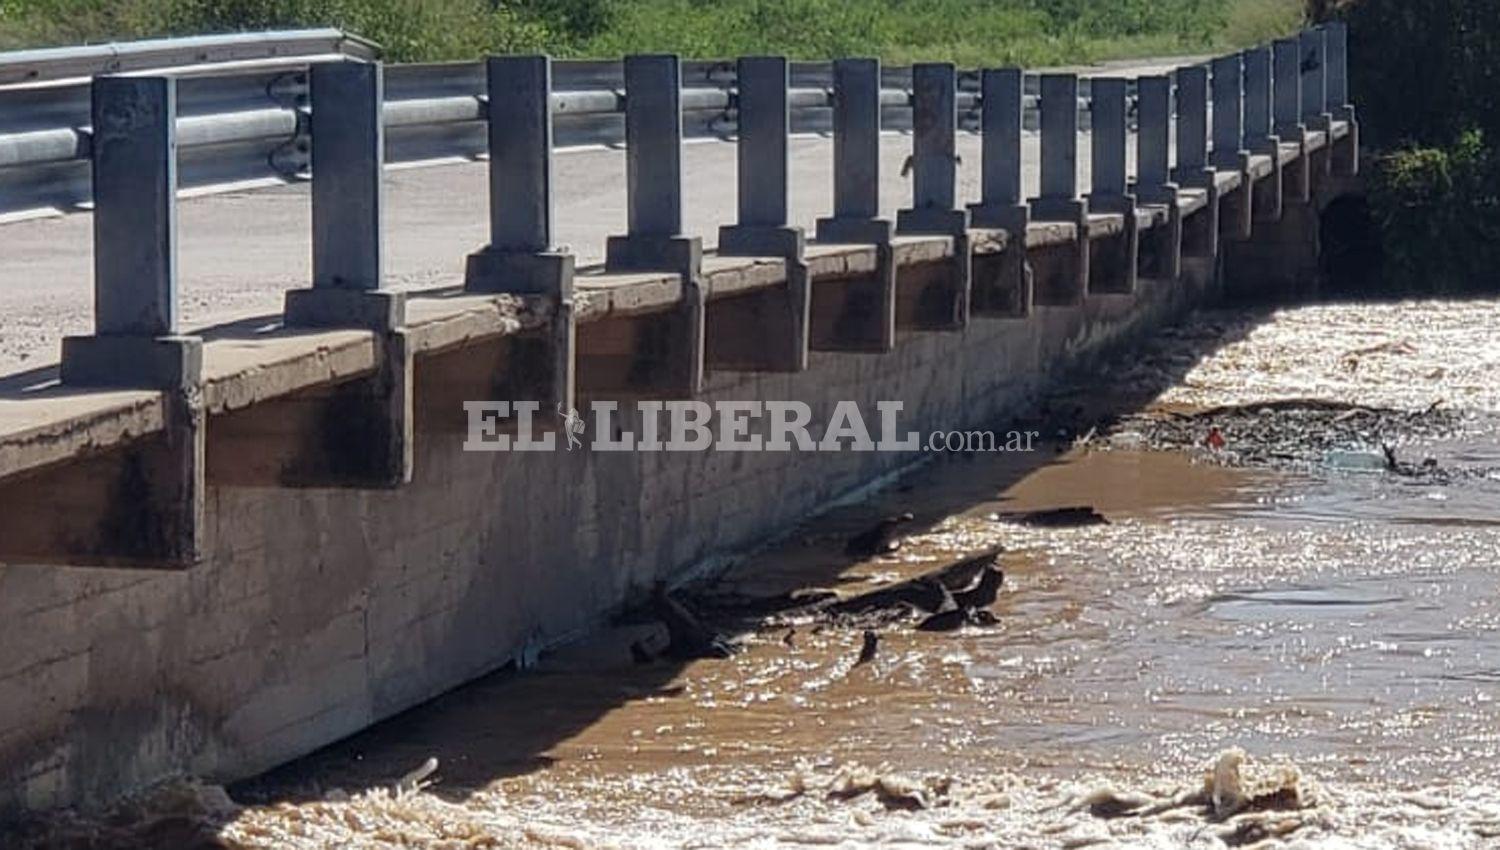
{"x":1228,"y":132}
{"x":762,"y":230}
{"x":1346,"y":158}
{"x":1109,"y":192}
{"x":654,"y":241}
{"x":521,"y":257}
{"x":1259,"y":132}
{"x":1153,"y":184}
{"x":348,"y":288}
{"x":934,"y":209}
{"x":867,"y":316}
{"x":1005,"y":290}
{"x":136,"y":342}
{"x":1287,"y":73}
{"x":1059,"y":199}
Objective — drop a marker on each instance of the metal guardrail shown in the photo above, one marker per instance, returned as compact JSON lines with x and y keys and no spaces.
{"x":57,"y":63}
{"x":248,"y":124}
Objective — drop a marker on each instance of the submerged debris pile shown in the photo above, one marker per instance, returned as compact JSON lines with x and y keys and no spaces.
{"x":1296,"y":432}
{"x":948,"y":597}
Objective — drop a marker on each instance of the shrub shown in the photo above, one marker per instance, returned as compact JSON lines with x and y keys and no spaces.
{"x":1425,"y":73}
{"x":1424,"y":76}
{"x":971,"y":32}
{"x":1438,"y":210}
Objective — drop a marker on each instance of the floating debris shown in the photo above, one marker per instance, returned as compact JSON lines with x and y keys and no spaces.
{"x":880,"y":539}
{"x":1076,"y":516}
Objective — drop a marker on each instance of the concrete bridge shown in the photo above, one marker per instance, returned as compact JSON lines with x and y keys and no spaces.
{"x":224,"y":545}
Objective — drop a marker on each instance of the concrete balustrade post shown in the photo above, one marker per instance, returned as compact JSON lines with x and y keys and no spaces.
{"x":1109,"y":189}
{"x":1059,"y":132}
{"x":348,"y":288}
{"x":348,"y":158}
{"x":520,"y":144}
{"x":763,"y":162}
{"x":1153,"y":182}
{"x":1109,"y":135}
{"x":1259,"y":137}
{"x":1228,"y":153}
{"x":1058,"y":200}
{"x":1287,"y":87}
{"x":1337,"y":37}
{"x":1200,"y":231}
{"x":1154,"y":141}
{"x":1228,"y":111}
{"x":1346,"y":154}
{"x":135,"y":244}
{"x":521,"y":256}
{"x":1259,"y":131}
{"x":856,"y":156}
{"x":934,"y":210}
{"x":653,"y":161}
{"x":1002,"y":285}
{"x":1192,"y":128}
{"x":135,"y":219}
{"x":763,"y":106}
{"x":654,"y":241}
{"x":1315,"y":112}
{"x":1287,"y":72}
{"x":934,"y":159}
{"x":1314,"y":79}
{"x":867,"y":310}
{"x":1001,"y":205}
{"x":136,"y":344}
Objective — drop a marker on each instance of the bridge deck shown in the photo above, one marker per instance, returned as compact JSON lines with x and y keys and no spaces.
{"x":241,"y":251}
{"x":436,"y":216}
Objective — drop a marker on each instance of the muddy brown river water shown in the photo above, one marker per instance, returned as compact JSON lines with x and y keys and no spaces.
{"x":1284,"y":649}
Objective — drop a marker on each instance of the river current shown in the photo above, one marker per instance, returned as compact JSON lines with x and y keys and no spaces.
{"x":1296,"y":647}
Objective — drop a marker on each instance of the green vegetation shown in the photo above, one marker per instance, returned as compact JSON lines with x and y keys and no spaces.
{"x":1424,"y":77}
{"x":972,"y":32}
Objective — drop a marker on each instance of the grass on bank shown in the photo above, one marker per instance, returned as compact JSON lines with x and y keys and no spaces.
{"x":970,"y":32}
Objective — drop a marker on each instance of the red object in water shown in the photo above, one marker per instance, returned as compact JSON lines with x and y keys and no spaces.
{"x":1214,"y":440}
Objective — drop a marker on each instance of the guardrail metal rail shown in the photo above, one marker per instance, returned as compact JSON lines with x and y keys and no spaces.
{"x":244,"y":113}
